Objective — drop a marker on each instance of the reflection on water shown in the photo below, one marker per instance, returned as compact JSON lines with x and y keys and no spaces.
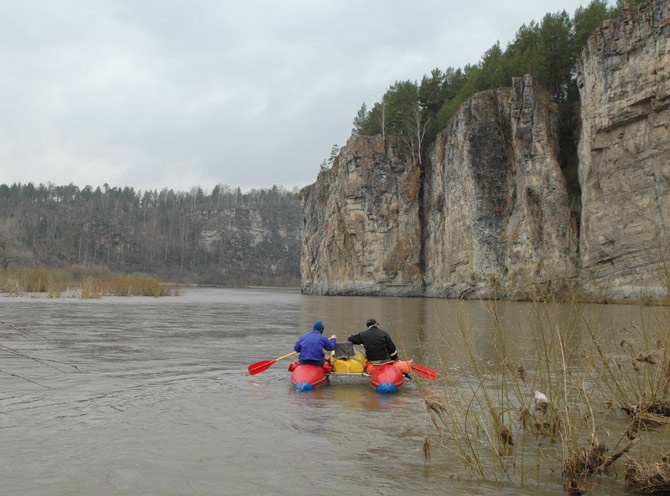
{"x":152,"y":396}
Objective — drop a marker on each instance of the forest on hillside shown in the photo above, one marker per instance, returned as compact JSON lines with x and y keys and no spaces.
{"x":225,"y":237}
{"x":547,"y":50}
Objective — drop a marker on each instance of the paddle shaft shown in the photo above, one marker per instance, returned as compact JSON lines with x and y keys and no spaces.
{"x":285,"y":356}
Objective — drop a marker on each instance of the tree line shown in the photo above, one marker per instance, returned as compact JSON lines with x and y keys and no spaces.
{"x":546,"y":50}
{"x":225,"y":237}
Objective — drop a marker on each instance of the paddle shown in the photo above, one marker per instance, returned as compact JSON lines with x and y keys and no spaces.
{"x":263,"y":365}
{"x":425,"y":372}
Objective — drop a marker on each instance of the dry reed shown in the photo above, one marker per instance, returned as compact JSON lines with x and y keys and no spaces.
{"x":80,"y":281}
{"x":648,"y":478}
{"x":556,"y":405}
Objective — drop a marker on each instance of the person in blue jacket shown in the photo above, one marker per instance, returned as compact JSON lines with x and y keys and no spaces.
{"x":311,"y":345}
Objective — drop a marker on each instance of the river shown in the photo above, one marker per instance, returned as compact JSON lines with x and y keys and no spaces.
{"x":151,"y":396}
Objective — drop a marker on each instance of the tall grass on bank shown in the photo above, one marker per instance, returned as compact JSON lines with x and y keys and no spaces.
{"x":573,"y":396}
{"x":80,"y":281}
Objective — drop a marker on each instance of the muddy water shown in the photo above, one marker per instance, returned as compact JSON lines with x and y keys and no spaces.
{"x":144,"y":396}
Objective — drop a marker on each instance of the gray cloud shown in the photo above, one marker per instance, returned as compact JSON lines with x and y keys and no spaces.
{"x":167,"y":93}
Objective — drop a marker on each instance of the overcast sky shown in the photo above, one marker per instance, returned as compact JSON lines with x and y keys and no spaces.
{"x":158,"y":94}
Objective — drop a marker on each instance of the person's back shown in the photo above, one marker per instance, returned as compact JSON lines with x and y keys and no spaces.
{"x":311,"y":345}
{"x":379,"y":347}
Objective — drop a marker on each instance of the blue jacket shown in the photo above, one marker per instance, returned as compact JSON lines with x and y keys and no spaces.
{"x":311,"y":345}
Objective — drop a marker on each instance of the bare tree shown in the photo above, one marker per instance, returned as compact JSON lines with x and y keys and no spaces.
{"x":10,"y":245}
{"x":417,"y":132}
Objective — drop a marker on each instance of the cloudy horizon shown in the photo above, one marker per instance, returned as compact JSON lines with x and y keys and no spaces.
{"x":181,"y":94}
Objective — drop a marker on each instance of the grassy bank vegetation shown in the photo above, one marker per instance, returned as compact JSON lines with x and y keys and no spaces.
{"x":80,"y":281}
{"x":569,"y":397}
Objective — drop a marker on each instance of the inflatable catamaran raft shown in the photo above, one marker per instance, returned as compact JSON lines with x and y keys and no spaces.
{"x":349,"y":360}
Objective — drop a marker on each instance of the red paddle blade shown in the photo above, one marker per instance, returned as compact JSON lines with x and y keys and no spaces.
{"x":425,"y":372}
{"x":262,"y":366}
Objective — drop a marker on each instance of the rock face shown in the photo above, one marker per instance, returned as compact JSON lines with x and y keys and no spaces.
{"x":624,"y":155}
{"x":497,"y":214}
{"x":488,"y":213}
{"x":361,"y":232}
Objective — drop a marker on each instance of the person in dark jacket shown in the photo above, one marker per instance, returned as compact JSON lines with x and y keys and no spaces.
{"x":379,"y":347}
{"x":311,"y":345}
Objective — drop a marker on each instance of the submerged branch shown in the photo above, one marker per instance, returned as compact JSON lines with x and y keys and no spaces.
{"x":615,"y":456}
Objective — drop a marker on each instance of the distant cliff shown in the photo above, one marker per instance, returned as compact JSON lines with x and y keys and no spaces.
{"x":224,"y":238}
{"x":488,"y":213}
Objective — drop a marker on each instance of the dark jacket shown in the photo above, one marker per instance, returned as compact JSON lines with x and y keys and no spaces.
{"x":379,"y":346}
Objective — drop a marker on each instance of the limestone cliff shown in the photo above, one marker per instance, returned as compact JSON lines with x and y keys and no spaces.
{"x":489,"y":212}
{"x":624,"y":154}
{"x":361,"y":233}
{"x":497,"y":214}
